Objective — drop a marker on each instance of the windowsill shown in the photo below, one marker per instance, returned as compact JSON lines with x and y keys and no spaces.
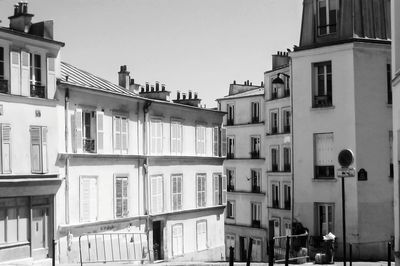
{"x":278,"y":208}
{"x":16,"y":97}
{"x":279,"y":172}
{"x":245,"y":158}
{"x":15,"y":244}
{"x":245,"y":124}
{"x":276,"y":134}
{"x":261,"y":193}
{"x":322,"y":107}
{"x":278,"y":98}
{"x":324,"y":179}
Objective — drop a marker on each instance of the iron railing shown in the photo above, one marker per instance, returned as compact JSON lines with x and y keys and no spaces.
{"x":38,"y":91}
{"x":3,"y":86}
{"x":291,"y":248}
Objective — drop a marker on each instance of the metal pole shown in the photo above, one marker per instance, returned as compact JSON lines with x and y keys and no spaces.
{"x":287,"y":251}
{"x":351,"y":254}
{"x":271,"y":243}
{"x":249,"y":254}
{"x":231,"y":256}
{"x":389,"y":259}
{"x":53,"y":260}
{"x":344,"y":222}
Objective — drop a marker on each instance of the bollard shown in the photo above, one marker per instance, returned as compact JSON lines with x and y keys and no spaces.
{"x":389,"y":259}
{"x":351,"y":254}
{"x":231,"y":255}
{"x":53,"y":259}
{"x":271,"y":243}
{"x":287,"y":251}
{"x":249,"y":253}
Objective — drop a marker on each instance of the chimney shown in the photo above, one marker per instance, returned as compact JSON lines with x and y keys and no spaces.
{"x":183,"y":96}
{"x":141,"y":89}
{"x":234,"y":82}
{"x":123,"y":77}
{"x":162,"y":87}
{"x":152,"y":88}
{"x":178,"y":95}
{"x":21,"y":20}
{"x":147,"y":87}
{"x":190,"y":94}
{"x":157,"y":86}
{"x":195,"y":96}
{"x":280,"y":59}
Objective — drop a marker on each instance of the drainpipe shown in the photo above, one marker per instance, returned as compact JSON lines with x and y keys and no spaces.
{"x":66,"y":108}
{"x":292,"y":140}
{"x":146,"y":107}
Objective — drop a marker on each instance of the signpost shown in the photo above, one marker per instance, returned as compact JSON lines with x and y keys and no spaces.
{"x":345,"y":159}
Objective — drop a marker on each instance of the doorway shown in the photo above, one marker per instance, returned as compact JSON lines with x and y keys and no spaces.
{"x":158,"y":240}
{"x":39,"y":229}
{"x":242,"y":246}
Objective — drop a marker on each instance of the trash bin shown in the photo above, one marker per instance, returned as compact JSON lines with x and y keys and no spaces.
{"x":329,"y":243}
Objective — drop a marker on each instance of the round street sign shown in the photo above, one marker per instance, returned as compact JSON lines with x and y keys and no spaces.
{"x":345,"y":158}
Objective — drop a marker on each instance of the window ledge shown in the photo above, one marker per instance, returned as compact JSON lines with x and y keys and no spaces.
{"x":322,"y":108}
{"x":248,"y":192}
{"x":16,"y":244}
{"x":324,"y":179}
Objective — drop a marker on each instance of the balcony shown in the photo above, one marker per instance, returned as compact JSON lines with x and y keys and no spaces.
{"x":324,"y":172}
{"x":255,"y":154}
{"x":229,"y":122}
{"x":230,"y":155}
{"x":3,"y":86}
{"x":286,"y":129}
{"x":322,"y":101}
{"x":256,"y":223}
{"x":286,"y":93}
{"x":274,"y":130}
{"x":286,"y":167}
{"x":255,"y":119}
{"x":89,"y":145}
{"x":38,"y":91}
{"x":275,"y":204}
{"x":274,"y":168}
{"x":231,"y":188}
{"x":255,"y":189}
{"x":274,"y":95}
{"x":287,"y":204}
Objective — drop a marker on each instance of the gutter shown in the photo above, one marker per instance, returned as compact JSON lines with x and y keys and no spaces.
{"x":66,"y":167}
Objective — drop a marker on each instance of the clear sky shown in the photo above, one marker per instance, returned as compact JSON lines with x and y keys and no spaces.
{"x":201,"y":45}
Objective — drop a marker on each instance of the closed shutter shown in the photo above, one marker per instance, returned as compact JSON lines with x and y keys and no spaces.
{"x":153,"y":137}
{"x":177,"y":240}
{"x":6,"y":149}
{"x":100,"y":131}
{"x":216,"y":190}
{"x":15,"y":73}
{"x":157,"y":194}
{"x":159,"y":137}
{"x":118,"y":197}
{"x":223,"y":142}
{"x":25,"y":74}
{"x":44,"y":150}
{"x":124,"y":135}
{"x":173,"y":138}
{"x":179,"y":138}
{"x":224,"y":187}
{"x":117,"y":134}
{"x":324,"y":149}
{"x":156,"y":137}
{"x":88,"y":199}
{"x":35,"y":149}
{"x":78,"y":131}
{"x":51,"y":78}
{"x":202,"y":235}
{"x":215,"y":141}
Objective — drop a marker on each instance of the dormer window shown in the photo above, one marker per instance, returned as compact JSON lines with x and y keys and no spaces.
{"x":327,"y":16}
{"x":37,"y":90}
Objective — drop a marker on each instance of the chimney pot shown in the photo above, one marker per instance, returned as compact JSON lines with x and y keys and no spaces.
{"x":152,"y":88}
{"x":234,"y":82}
{"x":157,"y":86}
{"x":178,"y":95}
{"x":163,"y":87}
{"x":183,"y":96}
{"x":251,"y":83}
{"x":248,"y":82}
{"x":147,"y":87}
{"x":262,"y":83}
{"x":195,"y":95}
{"x":190,"y":94}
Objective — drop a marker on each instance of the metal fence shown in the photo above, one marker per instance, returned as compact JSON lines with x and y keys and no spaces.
{"x":291,"y":248}
{"x":113,"y":247}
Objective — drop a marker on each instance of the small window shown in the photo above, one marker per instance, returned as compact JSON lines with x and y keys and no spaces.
{"x":255,"y":147}
{"x":286,"y":159}
{"x":120,"y":134}
{"x":229,"y":242}
{"x":121,"y":197}
{"x":255,"y":112}
{"x":38,"y":149}
{"x":277,"y":230}
{"x":231,"y":147}
{"x":255,"y":181}
{"x":324,"y":156}
{"x":256,"y":214}
{"x":230,"y":209}
{"x":177,"y":240}
{"x":256,"y":252}
{"x":274,"y":122}
{"x":230,"y":173}
{"x":5,"y":149}
{"x":200,"y":140}
{"x":275,"y":195}
{"x":176,"y":192}
{"x":157,"y":194}
{"x":219,"y":189}
{"x":176,"y":137}
{"x":216,"y":141}
{"x":201,"y":190}
{"x":389,"y":83}
{"x":231,"y":114}
{"x":156,"y":136}
{"x":325,"y":218}
{"x":288,"y":228}
{"x":274,"y":159}
{"x":287,"y":196}
{"x":327,"y":16}
{"x":201,"y":235}
{"x":286,"y":121}
{"x":322,"y":92}
{"x":14,"y":220}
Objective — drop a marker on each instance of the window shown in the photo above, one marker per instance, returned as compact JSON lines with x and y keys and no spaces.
{"x":287,"y":196}
{"x":255,"y":181}
{"x":120,"y":134}
{"x":201,"y":190}
{"x":322,"y":93}
{"x":256,"y":250}
{"x":274,"y":122}
{"x":200,"y":140}
{"x":275,"y":196}
{"x":231,"y":147}
{"x":176,"y":138}
{"x":14,"y":220}
{"x":230,"y":173}
{"x":5,"y":149}
{"x":177,"y":239}
{"x":229,"y":242}
{"x":157,"y":198}
{"x":231,"y":114}
{"x":38,"y":149}
{"x":88,"y":138}
{"x":256,"y":215}
{"x":286,"y":121}
{"x":88,"y":198}
{"x":176,"y":181}
{"x":255,"y":147}
{"x":219,"y":189}
{"x":121,"y":197}
{"x":391,"y":154}
{"x":275,"y":159}
{"x":274,"y":92}
{"x":3,"y":82}
{"x":286,"y":159}
{"x":325,"y":218}
{"x":35,"y":69}
{"x":156,"y":136}
{"x":88,"y":131}
{"x":277,"y":230}
{"x":327,"y":12}
{"x":324,"y":156}
{"x":201,"y":235}
{"x":388,"y":82}
{"x":230,"y":209}
{"x":255,"y":112}
{"x":288,"y":228}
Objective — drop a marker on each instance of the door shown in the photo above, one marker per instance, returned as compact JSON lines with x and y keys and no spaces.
{"x":40,"y":232}
{"x":243,"y":248}
{"x":158,"y":240}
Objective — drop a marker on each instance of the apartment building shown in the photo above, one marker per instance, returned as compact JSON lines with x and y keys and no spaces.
{"x":395,"y":5}
{"x":278,"y":143}
{"x":134,"y":161}
{"x":29,"y":63}
{"x":246,"y":212}
{"x":341,"y":72}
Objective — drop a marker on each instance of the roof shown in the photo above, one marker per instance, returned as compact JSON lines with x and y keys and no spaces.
{"x":30,"y":36}
{"x":249,"y":93}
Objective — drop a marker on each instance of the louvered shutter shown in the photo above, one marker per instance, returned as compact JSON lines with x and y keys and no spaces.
{"x":93,"y":199}
{"x":215,"y":141}
{"x":179,"y":187}
{"x":78,"y":131}
{"x":6,"y":149}
{"x":124,"y":135}
{"x":118,"y":197}
{"x":44,"y":150}
{"x":153,"y":136}
{"x":216,"y":190}
{"x":224,"y":187}
{"x":84,"y":199}
{"x":51,"y":78}
{"x":100,"y":131}
{"x":174,"y":129}
{"x":117,"y":134}
{"x":125,"y":210}
{"x":223,"y":142}
{"x":159,"y":137}
{"x":15,"y":74}
{"x":153,"y":191}
{"x":201,"y":235}
{"x":35,"y":149}
{"x":25,"y":74}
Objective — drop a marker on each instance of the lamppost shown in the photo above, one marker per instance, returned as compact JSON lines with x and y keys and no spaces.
{"x":345,"y":159}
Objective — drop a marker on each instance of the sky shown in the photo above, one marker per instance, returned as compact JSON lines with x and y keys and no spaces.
{"x":198,"y":45}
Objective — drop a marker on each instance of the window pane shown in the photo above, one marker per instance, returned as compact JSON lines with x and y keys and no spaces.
{"x":23,"y":213}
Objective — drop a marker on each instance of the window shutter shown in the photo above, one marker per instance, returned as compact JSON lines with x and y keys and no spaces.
{"x":179,"y":138}
{"x":216,"y":189}
{"x":93,"y":199}
{"x":25,"y":74}
{"x":78,"y":131}
{"x":224,"y":187}
{"x":174,"y":133}
{"x":117,"y":134}
{"x":223,"y":142}
{"x":51,"y":78}
{"x":100,"y":131}
{"x":44,"y":150}
{"x":35,"y":149}
{"x":84,"y":199}
{"x":153,"y":137}
{"x":124,"y":135}
{"x":15,"y":73}
{"x":6,"y":149}
{"x":159,"y":137}
{"x":215,"y":141}
{"x":125,"y":210}
{"x":118,"y":197}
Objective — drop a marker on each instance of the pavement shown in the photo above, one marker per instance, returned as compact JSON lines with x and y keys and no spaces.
{"x":364,"y":263}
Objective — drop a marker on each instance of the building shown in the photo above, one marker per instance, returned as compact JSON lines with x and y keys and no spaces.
{"x":29,"y":64}
{"x":278,"y":143}
{"x":341,"y":72}
{"x":246,"y":213}
{"x":396,"y":119}
{"x":134,"y":162}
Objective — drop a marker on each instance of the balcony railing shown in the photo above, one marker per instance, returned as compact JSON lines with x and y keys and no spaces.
{"x":274,"y":130}
{"x":89,"y":145}
{"x":287,"y":204}
{"x":322,"y":101}
{"x":324,"y":172}
{"x":255,"y":189}
{"x":231,"y":188}
{"x":3,"y":86}
{"x":286,"y":167}
{"x":286,"y":129}
{"x":229,"y":122}
{"x":255,"y":154}
{"x":38,"y":91}
{"x":286,"y":93}
{"x":256,"y":223}
{"x":274,"y":168}
{"x":275,"y":204}
{"x":255,"y":119}
{"x":230,"y":156}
